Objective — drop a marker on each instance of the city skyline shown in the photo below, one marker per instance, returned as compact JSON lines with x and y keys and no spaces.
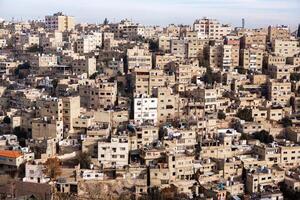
{"x":258,"y":13}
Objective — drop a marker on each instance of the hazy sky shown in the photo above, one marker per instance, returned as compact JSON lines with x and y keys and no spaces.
{"x":161,"y":12}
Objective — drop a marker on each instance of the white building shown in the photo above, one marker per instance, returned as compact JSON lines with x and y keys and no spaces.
{"x":211,"y":29}
{"x":113,"y":153}
{"x":145,"y":109}
{"x":89,"y":43}
{"x":34,"y":173}
{"x":92,"y":175}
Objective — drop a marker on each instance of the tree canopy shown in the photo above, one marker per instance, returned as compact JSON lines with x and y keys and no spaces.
{"x":52,"y":168}
{"x":286,"y":122}
{"x":245,"y":114}
{"x":6,"y":120}
{"x":263,"y":136}
{"x":84,"y":159}
{"x":221,"y":115}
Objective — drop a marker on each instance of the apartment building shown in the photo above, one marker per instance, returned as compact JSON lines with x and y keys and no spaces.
{"x":295,"y":61}
{"x":279,"y":92}
{"x":287,"y":48}
{"x":262,"y":178}
{"x":214,"y":55}
{"x":231,"y":54}
{"x":211,"y":29}
{"x":145,"y":109}
{"x":179,"y":47}
{"x":285,"y":155}
{"x":113,"y":153}
{"x":207,"y":97}
{"x":59,"y":22}
{"x":216,"y":149}
{"x":164,"y":43}
{"x":292,"y":181}
{"x":89,"y":43}
{"x":254,"y":40}
{"x":24,"y":41}
{"x":144,"y":81}
{"x":187,"y":71}
{"x":162,"y":60}
{"x":278,"y":32}
{"x":45,"y":128}
{"x":98,"y":95}
{"x":195,"y":48}
{"x":84,"y":66}
{"x":7,"y":67}
{"x":251,"y":59}
{"x":51,"y":40}
{"x":167,"y":104}
{"x":139,"y":58}
{"x":179,"y":140}
{"x":176,"y":169}
{"x":62,"y":109}
{"x":143,"y":136}
{"x":280,"y":71}
{"x":43,"y":60}
{"x":10,"y":160}
{"x":272,"y":59}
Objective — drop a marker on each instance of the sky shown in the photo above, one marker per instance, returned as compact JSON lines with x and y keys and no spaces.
{"x":257,"y":13}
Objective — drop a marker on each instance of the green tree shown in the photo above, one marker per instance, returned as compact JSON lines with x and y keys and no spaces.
{"x":245,"y":114}
{"x":105,"y":22}
{"x":263,"y":136}
{"x":245,"y":136}
{"x":6,"y":120}
{"x":210,"y":77}
{"x":221,"y":115}
{"x":295,"y":76}
{"x":35,"y":48}
{"x":286,"y":122}
{"x":287,"y":193}
{"x":84,"y":159}
{"x":153,"y":45}
{"x":94,"y":75}
{"x":22,"y":135}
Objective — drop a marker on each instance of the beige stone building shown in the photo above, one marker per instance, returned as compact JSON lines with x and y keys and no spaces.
{"x":139,"y":58}
{"x":280,"y":71}
{"x":143,"y":135}
{"x":84,"y":66}
{"x":59,"y":22}
{"x":263,"y":177}
{"x":251,"y":59}
{"x":62,"y":109}
{"x":144,"y":81}
{"x":279,"y":92}
{"x":167,"y":104}
{"x":98,"y":95}
{"x":278,"y":32}
{"x":113,"y":153}
{"x":254,"y":40}
{"x":195,"y":48}
{"x":287,"y":48}
{"x":43,"y":60}
{"x":45,"y":128}
{"x":164,"y":43}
